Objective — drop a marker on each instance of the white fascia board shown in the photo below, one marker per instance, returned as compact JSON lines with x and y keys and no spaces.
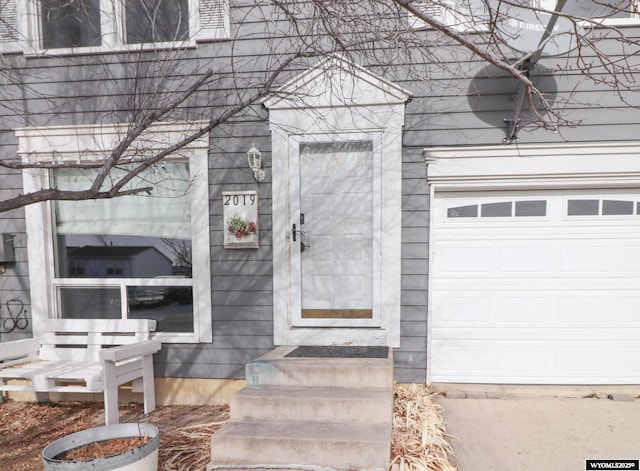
{"x":356,"y":86}
{"x":95,"y":142}
{"x":532,"y":166}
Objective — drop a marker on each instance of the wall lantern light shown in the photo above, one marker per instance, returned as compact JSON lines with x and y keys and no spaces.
{"x":255,"y":163}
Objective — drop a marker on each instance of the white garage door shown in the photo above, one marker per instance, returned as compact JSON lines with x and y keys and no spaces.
{"x":536,"y":287}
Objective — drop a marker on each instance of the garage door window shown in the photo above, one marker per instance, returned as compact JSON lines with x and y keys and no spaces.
{"x":502,"y":209}
{"x":604,"y":207}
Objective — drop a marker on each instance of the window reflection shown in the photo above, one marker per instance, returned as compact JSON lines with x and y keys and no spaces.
{"x":170,"y":306}
{"x":93,"y":302}
{"x":70,"y":23}
{"x":97,"y":256}
{"x":151,"y":21}
{"x":117,"y":257}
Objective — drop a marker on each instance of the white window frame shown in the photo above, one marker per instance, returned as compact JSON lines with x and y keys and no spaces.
{"x":450,"y":16}
{"x":74,"y":142}
{"x":113,"y":30}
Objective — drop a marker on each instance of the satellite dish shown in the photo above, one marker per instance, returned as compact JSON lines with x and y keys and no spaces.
{"x":492,"y":94}
{"x":522,"y":30}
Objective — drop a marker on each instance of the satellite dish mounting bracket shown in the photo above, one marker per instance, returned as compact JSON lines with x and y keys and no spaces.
{"x":525,"y":66}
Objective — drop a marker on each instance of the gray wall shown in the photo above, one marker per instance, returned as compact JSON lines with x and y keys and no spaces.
{"x":15,"y":309}
{"x":88,"y":89}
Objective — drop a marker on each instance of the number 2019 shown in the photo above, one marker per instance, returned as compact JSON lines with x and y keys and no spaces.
{"x":237,"y":200}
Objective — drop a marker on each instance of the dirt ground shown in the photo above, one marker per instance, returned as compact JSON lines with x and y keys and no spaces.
{"x":26,"y":428}
{"x":419,"y":438}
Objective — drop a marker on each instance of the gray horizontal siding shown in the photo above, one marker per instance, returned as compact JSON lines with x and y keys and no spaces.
{"x":409,"y":359}
{"x":14,"y":282}
{"x":89,"y":89}
{"x":242,"y":297}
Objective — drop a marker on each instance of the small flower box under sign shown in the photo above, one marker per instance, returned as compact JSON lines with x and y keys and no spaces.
{"x":240,"y":215}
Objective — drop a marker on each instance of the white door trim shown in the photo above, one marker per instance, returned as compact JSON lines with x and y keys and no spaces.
{"x":369,"y":106}
{"x":286,"y":297}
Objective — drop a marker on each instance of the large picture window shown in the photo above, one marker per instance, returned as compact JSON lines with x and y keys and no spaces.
{"x":128,"y":256}
{"x":139,"y":256}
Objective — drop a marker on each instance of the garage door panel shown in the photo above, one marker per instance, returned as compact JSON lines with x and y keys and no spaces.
{"x":584,"y":307}
{"x":581,"y":358}
{"x":471,"y":307}
{"x":459,"y":258}
{"x":523,"y":309}
{"x":592,"y":335}
{"x":462,"y":357}
{"x":626,"y":358}
{"x":630,"y":259}
{"x":549,"y":361}
{"x":525,"y":259}
{"x":587,"y":258}
{"x":549,"y":258}
{"x":555,"y":308}
{"x":515,"y":358}
{"x":551,"y":300}
{"x":628,"y":309}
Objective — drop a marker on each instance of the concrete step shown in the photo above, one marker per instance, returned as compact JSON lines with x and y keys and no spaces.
{"x":276,"y":369}
{"x":301,"y":443}
{"x":285,"y":403}
{"x":301,"y":412}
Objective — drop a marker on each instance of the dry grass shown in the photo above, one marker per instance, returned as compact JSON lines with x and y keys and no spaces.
{"x":187,"y":448}
{"x":26,"y":428}
{"x":419,"y":440}
{"x":419,"y":436}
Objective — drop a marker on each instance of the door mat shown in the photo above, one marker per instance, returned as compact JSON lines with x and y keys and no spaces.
{"x":339,"y":352}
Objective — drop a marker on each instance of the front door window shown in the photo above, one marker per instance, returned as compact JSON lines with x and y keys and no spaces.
{"x":336,"y":217}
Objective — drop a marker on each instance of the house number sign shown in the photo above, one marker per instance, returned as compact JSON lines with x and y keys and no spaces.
{"x":240,"y":218}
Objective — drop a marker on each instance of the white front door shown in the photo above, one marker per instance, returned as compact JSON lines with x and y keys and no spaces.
{"x":336,"y":213}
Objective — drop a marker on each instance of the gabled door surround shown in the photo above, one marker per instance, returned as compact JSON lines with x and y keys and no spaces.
{"x":337,"y":171}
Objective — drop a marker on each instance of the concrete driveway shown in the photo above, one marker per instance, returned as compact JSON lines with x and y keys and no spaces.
{"x":542,"y":430}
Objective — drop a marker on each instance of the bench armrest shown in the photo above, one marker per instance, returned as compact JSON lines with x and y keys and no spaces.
{"x":20,"y":350}
{"x":125,"y":352}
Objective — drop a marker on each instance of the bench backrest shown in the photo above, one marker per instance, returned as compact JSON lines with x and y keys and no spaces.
{"x":82,"y":339}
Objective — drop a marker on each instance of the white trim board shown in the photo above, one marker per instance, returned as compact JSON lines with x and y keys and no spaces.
{"x":576,"y":165}
{"x":309,"y":107}
{"x":93,"y":143}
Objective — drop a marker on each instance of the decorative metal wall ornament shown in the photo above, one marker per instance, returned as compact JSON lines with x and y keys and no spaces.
{"x":17,"y":319}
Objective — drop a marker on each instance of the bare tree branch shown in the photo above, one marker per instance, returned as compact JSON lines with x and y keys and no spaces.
{"x":150,"y":89}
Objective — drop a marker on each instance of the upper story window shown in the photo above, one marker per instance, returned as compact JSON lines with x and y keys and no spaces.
{"x":472,"y":15}
{"x":78,"y":23}
{"x":610,"y":12}
{"x":74,"y":23}
{"x":156,"y":21}
{"x":70,"y":26}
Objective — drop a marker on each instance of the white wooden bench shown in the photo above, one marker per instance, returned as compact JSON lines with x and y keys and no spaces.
{"x":87,"y":356}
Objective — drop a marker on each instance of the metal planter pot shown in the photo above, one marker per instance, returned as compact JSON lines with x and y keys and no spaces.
{"x":142,"y":458}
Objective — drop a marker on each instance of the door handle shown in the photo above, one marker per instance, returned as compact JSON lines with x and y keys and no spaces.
{"x":295,"y":231}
